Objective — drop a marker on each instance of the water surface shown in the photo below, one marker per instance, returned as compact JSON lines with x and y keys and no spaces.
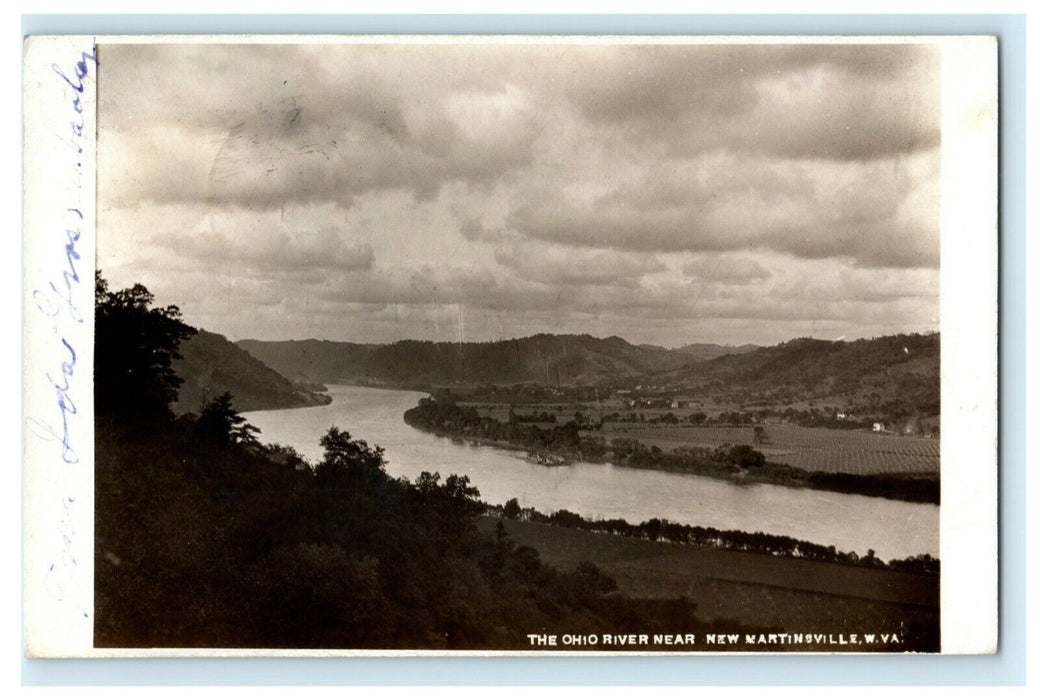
{"x":893,"y":529}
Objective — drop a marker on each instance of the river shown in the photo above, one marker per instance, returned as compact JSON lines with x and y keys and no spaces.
{"x":893,"y":529}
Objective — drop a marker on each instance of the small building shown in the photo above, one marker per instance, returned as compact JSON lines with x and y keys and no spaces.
{"x":879,"y":427}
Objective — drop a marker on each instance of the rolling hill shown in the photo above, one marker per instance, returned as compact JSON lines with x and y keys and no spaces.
{"x":709,"y":351}
{"x":872,"y":375}
{"x":546,"y":359}
{"x":893,"y":374}
{"x":210,"y":364}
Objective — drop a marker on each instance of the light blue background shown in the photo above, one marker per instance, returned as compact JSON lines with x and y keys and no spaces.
{"x":1005,"y":668}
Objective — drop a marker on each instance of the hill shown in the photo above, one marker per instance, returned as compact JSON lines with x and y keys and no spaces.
{"x":211,"y":364}
{"x":709,"y":351}
{"x":892,"y":374}
{"x":545,"y":359}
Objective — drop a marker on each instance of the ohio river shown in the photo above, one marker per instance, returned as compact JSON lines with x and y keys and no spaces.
{"x":893,"y":529}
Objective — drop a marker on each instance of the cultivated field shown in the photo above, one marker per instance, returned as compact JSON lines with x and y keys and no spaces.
{"x":815,"y":449}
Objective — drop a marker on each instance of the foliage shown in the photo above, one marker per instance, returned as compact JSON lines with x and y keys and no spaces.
{"x":241,"y":545}
{"x":220,"y":423}
{"x":445,"y":417}
{"x":205,"y":538}
{"x":735,"y":540}
{"x":134,"y":349}
{"x":744,"y":456}
{"x":348,"y":461}
{"x":210,"y":364}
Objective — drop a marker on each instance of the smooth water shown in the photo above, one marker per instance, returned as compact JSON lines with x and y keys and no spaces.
{"x":893,"y":529}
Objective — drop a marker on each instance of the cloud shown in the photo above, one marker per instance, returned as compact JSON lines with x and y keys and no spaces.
{"x":730,"y":270}
{"x":556,"y":265}
{"x":841,"y":102}
{"x":653,"y":192}
{"x":260,"y":244}
{"x":335,"y":127}
{"x":875,"y":213}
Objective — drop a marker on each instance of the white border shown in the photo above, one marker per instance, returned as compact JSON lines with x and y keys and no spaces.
{"x":58,"y":345}
{"x":969,"y":322}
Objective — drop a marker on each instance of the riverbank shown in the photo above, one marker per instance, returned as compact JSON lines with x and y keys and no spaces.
{"x":741,"y":464}
{"x":659,"y":530}
{"x":894,"y":529}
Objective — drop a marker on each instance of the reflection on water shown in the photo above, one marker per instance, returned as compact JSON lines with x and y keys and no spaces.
{"x":893,"y":529}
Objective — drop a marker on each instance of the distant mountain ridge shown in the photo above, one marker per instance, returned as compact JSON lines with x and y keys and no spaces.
{"x":709,"y":351}
{"x":900,"y":370}
{"x":211,"y":364}
{"x":544,"y":358}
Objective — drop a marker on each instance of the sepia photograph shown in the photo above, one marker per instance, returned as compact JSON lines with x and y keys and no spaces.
{"x":497,"y":345}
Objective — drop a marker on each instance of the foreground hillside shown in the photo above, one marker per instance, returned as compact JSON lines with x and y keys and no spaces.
{"x":210,"y":365}
{"x":545,"y":359}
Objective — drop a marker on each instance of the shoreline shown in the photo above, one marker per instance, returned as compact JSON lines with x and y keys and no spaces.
{"x":888,"y":486}
{"x":664,"y":531}
{"x":519,"y":451}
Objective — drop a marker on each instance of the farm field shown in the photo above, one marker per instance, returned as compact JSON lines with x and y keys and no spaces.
{"x":814,"y":449}
{"x":752,"y":588}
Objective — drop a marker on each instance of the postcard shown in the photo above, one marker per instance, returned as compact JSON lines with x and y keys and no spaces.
{"x":428,"y":345}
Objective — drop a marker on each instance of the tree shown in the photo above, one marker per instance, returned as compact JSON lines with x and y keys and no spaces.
{"x":653,"y":528}
{"x":512,"y":509}
{"x":348,"y":460}
{"x":286,"y":455}
{"x":134,"y":349}
{"x":219,"y":422}
{"x":744,"y":456}
{"x":464,"y":497}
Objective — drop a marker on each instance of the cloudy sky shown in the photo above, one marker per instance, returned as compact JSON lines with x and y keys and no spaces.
{"x":667,"y":194}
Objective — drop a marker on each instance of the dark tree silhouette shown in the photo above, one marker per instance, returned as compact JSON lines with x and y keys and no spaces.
{"x":745,"y":456}
{"x":512,"y":509}
{"x":134,"y":349}
{"x":349,"y":461}
{"x":219,"y":422}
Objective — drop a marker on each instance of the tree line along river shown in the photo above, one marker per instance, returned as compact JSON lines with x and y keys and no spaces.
{"x":893,"y":529}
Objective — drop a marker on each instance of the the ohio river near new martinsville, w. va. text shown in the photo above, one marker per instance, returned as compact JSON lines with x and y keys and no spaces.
{"x":893,"y":529}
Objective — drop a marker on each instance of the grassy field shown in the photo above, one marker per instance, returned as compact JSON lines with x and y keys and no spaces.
{"x":750,"y":588}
